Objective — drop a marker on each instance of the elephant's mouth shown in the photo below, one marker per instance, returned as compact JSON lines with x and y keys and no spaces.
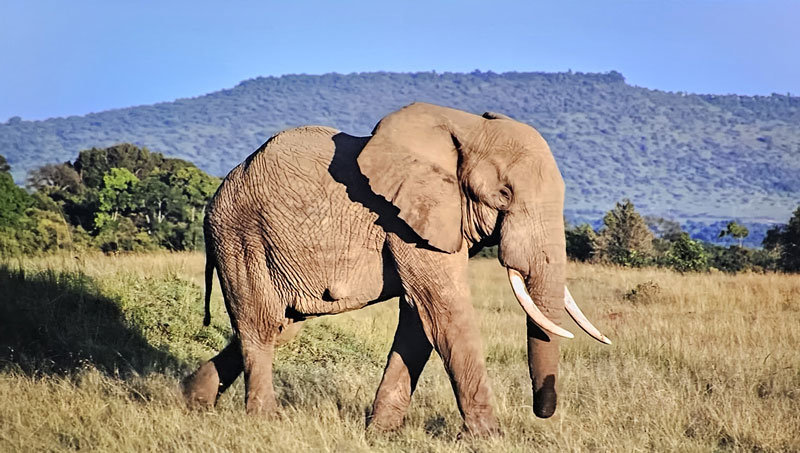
{"x":538,"y":318}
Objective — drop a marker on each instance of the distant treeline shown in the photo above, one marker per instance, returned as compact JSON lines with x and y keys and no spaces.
{"x":126,"y":198}
{"x":686,"y":156}
{"x":626,"y":238}
{"x":121,"y":198}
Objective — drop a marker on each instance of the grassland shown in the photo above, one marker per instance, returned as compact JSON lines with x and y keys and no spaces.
{"x":92,"y":351}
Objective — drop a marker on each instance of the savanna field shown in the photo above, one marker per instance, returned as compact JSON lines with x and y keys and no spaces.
{"x":92,"y":351}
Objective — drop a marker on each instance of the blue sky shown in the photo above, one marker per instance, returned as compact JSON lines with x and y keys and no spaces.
{"x":60,"y":58}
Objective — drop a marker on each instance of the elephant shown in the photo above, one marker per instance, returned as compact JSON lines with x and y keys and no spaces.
{"x":318,"y":222}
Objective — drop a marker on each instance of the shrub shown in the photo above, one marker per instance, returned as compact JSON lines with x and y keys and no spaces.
{"x":685,"y":255}
{"x":643,"y":293}
{"x":625,"y":238}
{"x":784,"y":241}
{"x":581,"y":242}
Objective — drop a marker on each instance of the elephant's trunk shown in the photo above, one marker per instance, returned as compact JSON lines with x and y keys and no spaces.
{"x":533,"y":249}
{"x":536,"y":268}
{"x":546,"y":286}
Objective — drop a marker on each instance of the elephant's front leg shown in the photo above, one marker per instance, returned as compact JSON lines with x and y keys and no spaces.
{"x":437,"y":285}
{"x":456,"y":337}
{"x":410,"y":351}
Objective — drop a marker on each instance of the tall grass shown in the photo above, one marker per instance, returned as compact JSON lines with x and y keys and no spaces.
{"x":92,"y":351}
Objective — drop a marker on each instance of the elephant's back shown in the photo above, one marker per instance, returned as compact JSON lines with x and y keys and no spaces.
{"x":296,"y":195}
{"x":298,"y":152}
{"x":291,"y":158}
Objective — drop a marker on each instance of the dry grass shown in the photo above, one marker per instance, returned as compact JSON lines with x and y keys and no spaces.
{"x":699,"y":363}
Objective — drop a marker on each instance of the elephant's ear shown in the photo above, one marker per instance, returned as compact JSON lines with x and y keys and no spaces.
{"x":411,"y":160}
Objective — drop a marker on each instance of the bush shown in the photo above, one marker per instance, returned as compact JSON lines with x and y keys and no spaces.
{"x":643,"y":293}
{"x":625,"y":238}
{"x":581,"y":242}
{"x":784,"y":242}
{"x":685,"y":255}
{"x":121,"y":198}
{"x":729,"y":259}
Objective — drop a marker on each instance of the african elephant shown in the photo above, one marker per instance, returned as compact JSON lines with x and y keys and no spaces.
{"x":318,"y":222}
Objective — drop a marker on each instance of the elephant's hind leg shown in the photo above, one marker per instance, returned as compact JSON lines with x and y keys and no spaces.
{"x":203,"y":387}
{"x":259,"y":316}
{"x":407,"y":358}
{"x":258,"y":355}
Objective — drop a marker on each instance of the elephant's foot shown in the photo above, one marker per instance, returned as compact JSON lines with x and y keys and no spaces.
{"x":385,"y":421}
{"x":483,"y":425}
{"x":202,"y":387}
{"x":261,"y":406}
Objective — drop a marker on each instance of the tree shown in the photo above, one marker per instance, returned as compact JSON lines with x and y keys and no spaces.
{"x":118,"y":198}
{"x":13,"y":201}
{"x":122,"y":235}
{"x":785,"y":240}
{"x":625,"y":238}
{"x":4,"y":167}
{"x":93,"y":164}
{"x":684,"y":254}
{"x":196,"y":187}
{"x":736,"y":231}
{"x":55,"y":178}
{"x":118,"y":194}
{"x":772,"y":239}
{"x":50,"y":231}
{"x":729,"y":259}
{"x":159,"y":199}
{"x":581,"y":242}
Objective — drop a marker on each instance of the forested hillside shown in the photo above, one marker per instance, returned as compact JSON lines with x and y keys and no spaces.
{"x":697,"y":158}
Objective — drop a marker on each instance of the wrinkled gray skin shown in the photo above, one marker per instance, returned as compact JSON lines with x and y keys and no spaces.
{"x":319,"y":222}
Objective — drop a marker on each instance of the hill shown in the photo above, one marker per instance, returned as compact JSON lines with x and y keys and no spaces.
{"x":699,"y":158}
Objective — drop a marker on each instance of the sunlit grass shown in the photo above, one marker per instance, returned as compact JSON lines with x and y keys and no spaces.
{"x":700,"y":362}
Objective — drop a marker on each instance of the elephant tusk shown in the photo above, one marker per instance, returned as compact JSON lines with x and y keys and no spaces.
{"x":581,"y":320}
{"x":524,"y":299}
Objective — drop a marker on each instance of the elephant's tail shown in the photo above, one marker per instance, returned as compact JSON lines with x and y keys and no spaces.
{"x":209,"y":283}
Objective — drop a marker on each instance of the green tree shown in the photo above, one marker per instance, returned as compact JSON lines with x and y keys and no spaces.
{"x":772,"y":239}
{"x":118,"y":198}
{"x":729,"y":259}
{"x":118,"y":194}
{"x":50,"y":231}
{"x":736,"y":231}
{"x":581,"y":242}
{"x":159,"y":199}
{"x":93,"y":164}
{"x":197,"y":187}
{"x":4,"y":167}
{"x":121,"y":234}
{"x":13,"y":201}
{"x":625,"y":238}
{"x":787,"y":238}
{"x":685,"y":255}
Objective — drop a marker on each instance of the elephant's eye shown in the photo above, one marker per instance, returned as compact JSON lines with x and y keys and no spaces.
{"x":505,"y":196}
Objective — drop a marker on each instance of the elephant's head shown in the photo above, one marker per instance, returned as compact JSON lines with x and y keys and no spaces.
{"x":461,"y":180}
